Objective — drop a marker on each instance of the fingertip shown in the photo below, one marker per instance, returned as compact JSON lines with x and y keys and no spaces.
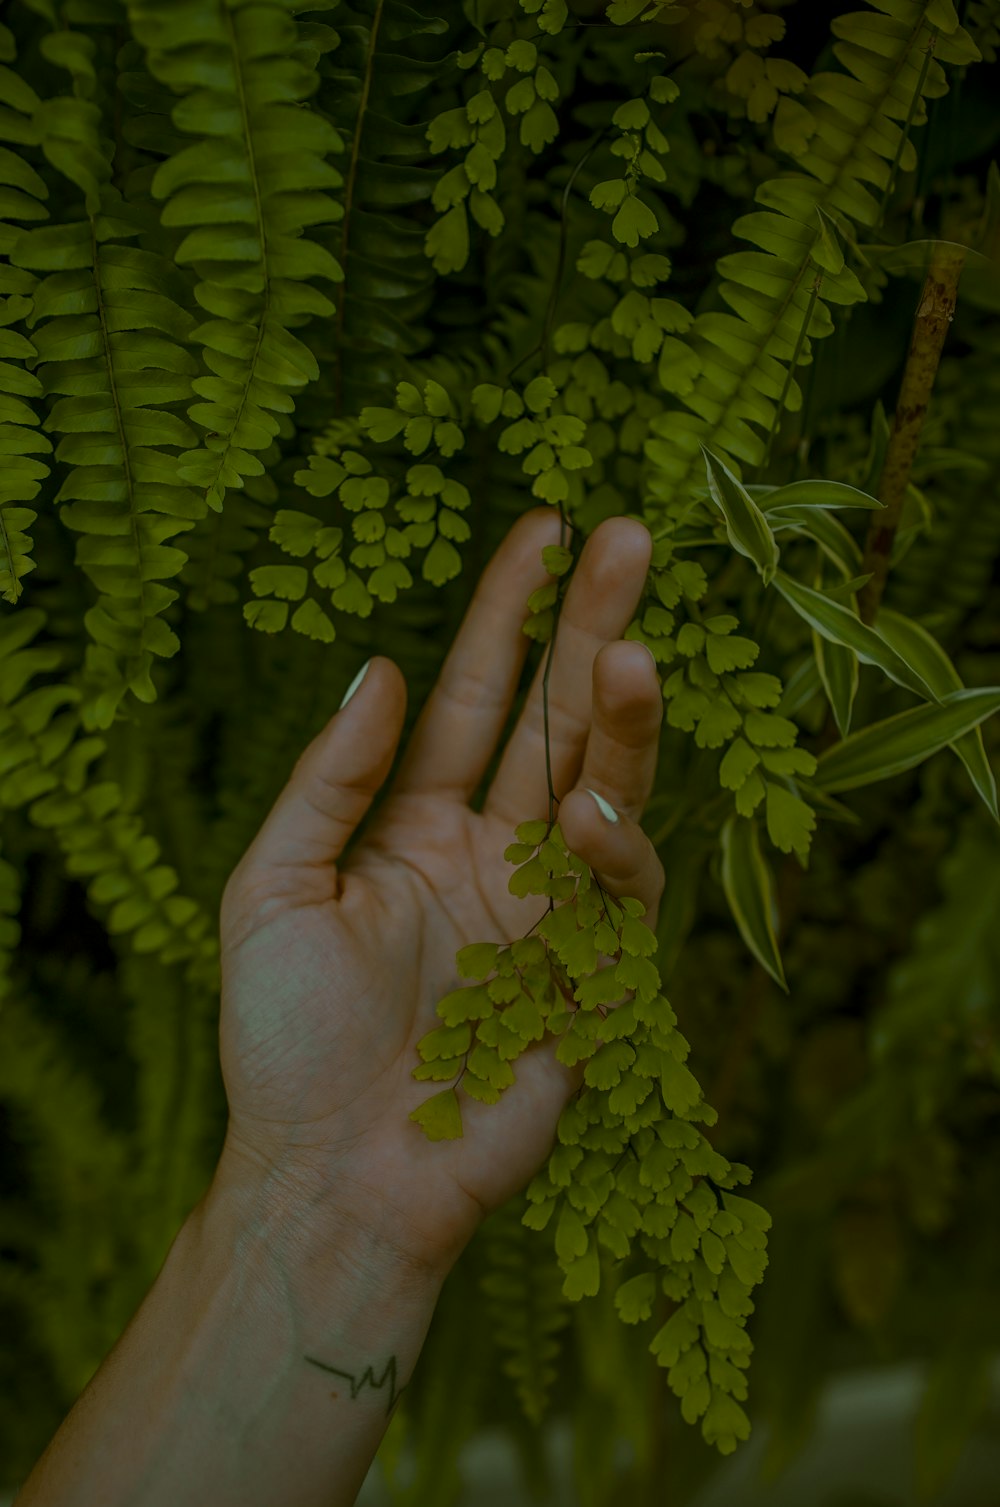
{"x":588,"y":826}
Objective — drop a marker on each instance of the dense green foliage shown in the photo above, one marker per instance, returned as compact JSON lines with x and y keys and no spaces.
{"x":301,"y":304}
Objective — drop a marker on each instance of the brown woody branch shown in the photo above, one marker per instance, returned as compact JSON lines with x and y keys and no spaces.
{"x":934,"y":314}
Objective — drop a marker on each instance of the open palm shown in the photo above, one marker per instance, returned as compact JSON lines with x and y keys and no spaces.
{"x":331,"y":970}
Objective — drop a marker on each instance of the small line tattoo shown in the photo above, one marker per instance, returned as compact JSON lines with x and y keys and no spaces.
{"x":367,"y":1378}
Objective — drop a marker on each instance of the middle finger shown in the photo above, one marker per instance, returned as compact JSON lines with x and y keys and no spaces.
{"x":601,"y":601}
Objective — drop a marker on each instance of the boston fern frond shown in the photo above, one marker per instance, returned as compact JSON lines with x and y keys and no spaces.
{"x":373,"y":85}
{"x":106,"y":327}
{"x":22,"y":192}
{"x":737,"y":369}
{"x":252,"y":180}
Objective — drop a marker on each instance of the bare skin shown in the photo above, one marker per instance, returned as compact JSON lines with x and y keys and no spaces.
{"x":265,"y":1360}
{"x":332,"y":969}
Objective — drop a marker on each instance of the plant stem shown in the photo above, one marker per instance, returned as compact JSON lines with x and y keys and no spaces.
{"x":934,"y":314}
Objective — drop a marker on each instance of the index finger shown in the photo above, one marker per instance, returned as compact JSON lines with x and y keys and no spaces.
{"x":457,"y":731}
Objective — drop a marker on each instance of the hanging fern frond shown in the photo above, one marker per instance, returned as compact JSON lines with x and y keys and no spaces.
{"x":81,"y":1164}
{"x":22,"y":192}
{"x":736,"y":370}
{"x":388,"y":284}
{"x":245,"y":189}
{"x":107,"y":333}
{"x":525,"y":1306}
{"x":107,"y":324}
{"x":46,"y":762}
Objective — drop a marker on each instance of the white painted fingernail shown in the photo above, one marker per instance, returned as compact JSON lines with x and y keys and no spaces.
{"x":606,"y":811}
{"x":359,"y":677}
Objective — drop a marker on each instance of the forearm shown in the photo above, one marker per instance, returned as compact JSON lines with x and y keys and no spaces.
{"x":217,"y":1391}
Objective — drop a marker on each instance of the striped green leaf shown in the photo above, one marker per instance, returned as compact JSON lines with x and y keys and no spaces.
{"x":886,"y":748}
{"x":922,"y":650}
{"x":818,"y":494}
{"x":842,"y":626}
{"x":749,"y":888}
{"x":839,"y":671}
{"x":745,"y":523}
{"x":829,"y":533}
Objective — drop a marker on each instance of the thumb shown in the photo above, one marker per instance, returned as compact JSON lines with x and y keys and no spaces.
{"x":335,"y":777}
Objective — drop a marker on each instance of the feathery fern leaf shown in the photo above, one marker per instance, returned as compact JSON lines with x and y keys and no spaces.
{"x":22,"y":191}
{"x":44,"y":761}
{"x":107,"y":335}
{"x":371,"y":88}
{"x":106,"y":323}
{"x":81,"y":1164}
{"x":842,"y":131}
{"x":525,"y":1304}
{"x":244,"y":191}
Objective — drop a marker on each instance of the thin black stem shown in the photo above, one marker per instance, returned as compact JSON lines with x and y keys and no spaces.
{"x":542,"y":344}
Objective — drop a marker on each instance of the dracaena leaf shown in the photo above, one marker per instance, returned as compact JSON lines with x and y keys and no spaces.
{"x":749,"y":889}
{"x":886,"y":748}
{"x":842,"y":626}
{"x":745,"y":523}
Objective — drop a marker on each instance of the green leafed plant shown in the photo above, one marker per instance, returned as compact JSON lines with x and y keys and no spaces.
{"x":301,"y":305}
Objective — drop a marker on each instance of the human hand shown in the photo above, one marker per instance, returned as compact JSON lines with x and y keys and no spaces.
{"x":331,"y":970}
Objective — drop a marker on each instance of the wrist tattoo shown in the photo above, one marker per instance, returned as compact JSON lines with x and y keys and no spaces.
{"x":367,"y":1378}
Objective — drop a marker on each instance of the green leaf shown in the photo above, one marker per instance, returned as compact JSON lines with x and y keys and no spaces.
{"x":842,"y":626}
{"x":739,"y":760}
{"x":678,"y":1334}
{"x":459,"y":1005}
{"x":583,"y":1277}
{"x":607,"y":195}
{"x":887,"y":748}
{"x":608,"y":1063}
{"x":829,"y":533}
{"x":749,"y":889}
{"x":440,"y":1116}
{"x":746,"y":525}
{"x":539,"y":125}
{"x":286,"y":581}
{"x":817,"y":494}
{"x":725,"y":1423}
{"x":790,"y":822}
{"x":680,"y":1088}
{"x":634,"y":1299}
{"x":839,"y":671}
{"x":441,"y":563}
{"x":913,"y":642}
{"x":634,"y":222}
{"x":447,"y":241}
{"x":310,"y":620}
{"x":540,"y":394}
{"x":476,"y":960}
{"x":267,"y":616}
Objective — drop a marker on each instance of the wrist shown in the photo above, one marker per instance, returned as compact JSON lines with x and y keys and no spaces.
{"x":281,"y":1221}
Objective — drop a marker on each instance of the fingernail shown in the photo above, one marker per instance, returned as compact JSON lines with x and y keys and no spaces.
{"x":651,"y":655}
{"x":359,"y":677}
{"x":606,"y":811}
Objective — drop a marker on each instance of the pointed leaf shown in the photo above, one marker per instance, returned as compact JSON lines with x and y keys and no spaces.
{"x":749,"y":889}
{"x":818,"y":494}
{"x":440,"y":1116}
{"x":920,"y":649}
{"x":839,"y":671}
{"x":842,"y":626}
{"x":898,"y":743}
{"x":745,"y":523}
